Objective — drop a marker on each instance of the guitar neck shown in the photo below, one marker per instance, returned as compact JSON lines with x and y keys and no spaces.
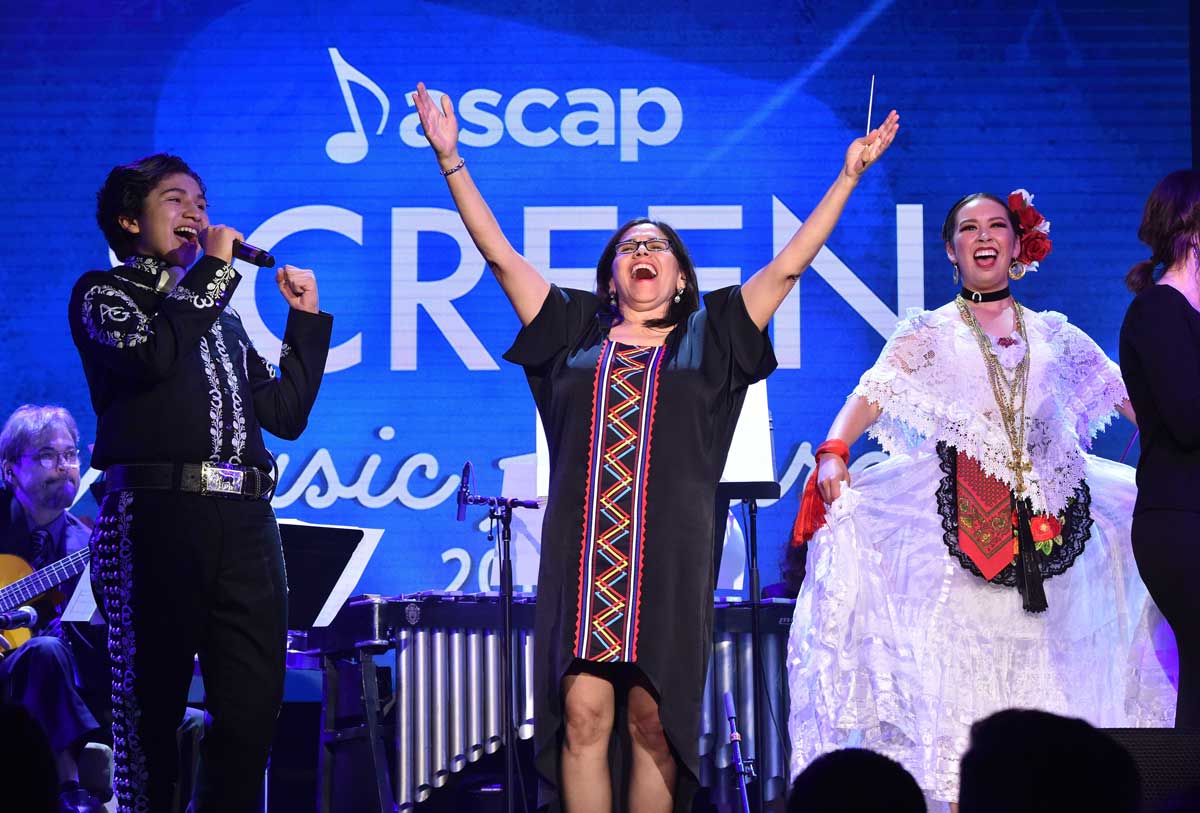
{"x":24,"y":590}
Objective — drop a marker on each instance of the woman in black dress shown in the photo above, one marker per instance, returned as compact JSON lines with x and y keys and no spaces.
{"x":639,"y":386}
{"x":1160,"y":361}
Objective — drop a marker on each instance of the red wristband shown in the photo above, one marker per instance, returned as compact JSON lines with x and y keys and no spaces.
{"x":834,"y":446}
{"x":811,"y":516}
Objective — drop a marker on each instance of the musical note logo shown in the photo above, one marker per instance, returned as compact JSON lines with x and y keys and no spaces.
{"x":350,"y":147}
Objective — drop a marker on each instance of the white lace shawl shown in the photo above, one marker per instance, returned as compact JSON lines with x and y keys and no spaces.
{"x":931,"y":385}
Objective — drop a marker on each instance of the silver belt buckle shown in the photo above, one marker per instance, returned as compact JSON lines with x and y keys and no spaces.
{"x":221,"y":478}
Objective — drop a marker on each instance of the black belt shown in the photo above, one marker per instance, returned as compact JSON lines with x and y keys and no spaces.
{"x":210,"y":479}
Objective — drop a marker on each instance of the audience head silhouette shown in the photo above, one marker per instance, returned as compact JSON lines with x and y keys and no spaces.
{"x":855,"y":780}
{"x":1033,"y":761}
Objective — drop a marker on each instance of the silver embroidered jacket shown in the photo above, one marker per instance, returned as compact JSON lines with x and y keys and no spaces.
{"x":173,"y":376}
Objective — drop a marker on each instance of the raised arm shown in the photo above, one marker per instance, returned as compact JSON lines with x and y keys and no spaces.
{"x":764,"y":292}
{"x":525,"y":288}
{"x":855,"y":416}
{"x":283,"y":403}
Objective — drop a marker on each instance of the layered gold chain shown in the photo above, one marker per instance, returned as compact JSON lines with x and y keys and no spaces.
{"x":1009,"y":389}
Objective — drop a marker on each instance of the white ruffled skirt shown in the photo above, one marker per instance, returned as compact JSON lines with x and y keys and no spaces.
{"x":895,"y":647}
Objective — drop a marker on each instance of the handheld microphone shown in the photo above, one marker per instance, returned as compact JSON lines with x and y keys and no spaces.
{"x":21,"y":617}
{"x":511,"y":502}
{"x":252,"y":254}
{"x":464,"y":491}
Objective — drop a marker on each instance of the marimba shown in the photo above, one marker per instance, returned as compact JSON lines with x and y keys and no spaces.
{"x":446,"y":701}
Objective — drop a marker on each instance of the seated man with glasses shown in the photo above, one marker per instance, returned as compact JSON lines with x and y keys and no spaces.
{"x":52,"y":672}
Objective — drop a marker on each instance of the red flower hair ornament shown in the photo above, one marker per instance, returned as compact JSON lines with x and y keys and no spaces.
{"x":1034,"y":231}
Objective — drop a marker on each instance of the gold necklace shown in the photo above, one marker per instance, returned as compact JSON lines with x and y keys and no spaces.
{"x":1009,"y":391}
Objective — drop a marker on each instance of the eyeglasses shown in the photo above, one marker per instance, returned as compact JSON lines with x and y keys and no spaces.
{"x":653,"y":244}
{"x":49,"y":459}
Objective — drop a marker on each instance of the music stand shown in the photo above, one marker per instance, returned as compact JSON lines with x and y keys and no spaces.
{"x":324,"y":564}
{"x":749,"y":472}
{"x":81,"y":606}
{"x":749,"y":476}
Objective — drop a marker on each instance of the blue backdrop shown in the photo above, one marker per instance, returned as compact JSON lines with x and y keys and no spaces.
{"x":728,"y":120}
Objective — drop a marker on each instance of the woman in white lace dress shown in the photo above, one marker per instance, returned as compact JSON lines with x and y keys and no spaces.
{"x":986,"y":563}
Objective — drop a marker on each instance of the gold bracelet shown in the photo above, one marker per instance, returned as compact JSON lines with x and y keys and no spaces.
{"x":462,"y":162}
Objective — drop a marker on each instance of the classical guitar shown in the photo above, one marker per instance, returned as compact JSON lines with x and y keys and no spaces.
{"x":23,"y":585}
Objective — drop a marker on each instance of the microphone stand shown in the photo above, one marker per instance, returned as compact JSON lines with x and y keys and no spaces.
{"x":751,"y":493}
{"x":500,"y":509}
{"x":743,"y":767}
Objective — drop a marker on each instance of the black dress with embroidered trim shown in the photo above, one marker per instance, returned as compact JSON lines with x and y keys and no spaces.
{"x":707,"y":364}
{"x":174,"y":378}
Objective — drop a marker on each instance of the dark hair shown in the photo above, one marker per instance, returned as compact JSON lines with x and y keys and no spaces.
{"x":951,"y":220}
{"x":794,"y":565}
{"x":1023,"y":759}
{"x":124,"y":194}
{"x":858,"y":780}
{"x":25,"y":424}
{"x":1170,"y":225}
{"x":689,"y":301}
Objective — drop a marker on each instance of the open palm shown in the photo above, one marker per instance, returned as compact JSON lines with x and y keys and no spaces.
{"x":865,"y":151}
{"x":440,"y":126}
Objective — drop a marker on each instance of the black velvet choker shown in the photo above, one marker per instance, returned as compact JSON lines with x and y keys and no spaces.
{"x":990,"y":296}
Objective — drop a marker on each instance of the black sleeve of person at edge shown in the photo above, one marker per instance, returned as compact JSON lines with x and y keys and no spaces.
{"x":1160,"y":362}
{"x":174,"y":378}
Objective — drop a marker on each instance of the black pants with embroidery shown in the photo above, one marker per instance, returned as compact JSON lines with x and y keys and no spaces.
{"x":182,"y":575}
{"x":1166,"y":545}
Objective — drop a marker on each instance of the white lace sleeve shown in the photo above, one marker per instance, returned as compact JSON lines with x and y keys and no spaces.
{"x":1091,"y":382}
{"x":904,"y":382}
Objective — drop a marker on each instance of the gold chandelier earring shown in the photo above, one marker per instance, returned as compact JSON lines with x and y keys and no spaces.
{"x":955,"y":272}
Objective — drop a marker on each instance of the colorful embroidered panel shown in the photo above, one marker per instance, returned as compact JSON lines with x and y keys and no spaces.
{"x":615,"y":509}
{"x":985,"y":525}
{"x":977,"y":517}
